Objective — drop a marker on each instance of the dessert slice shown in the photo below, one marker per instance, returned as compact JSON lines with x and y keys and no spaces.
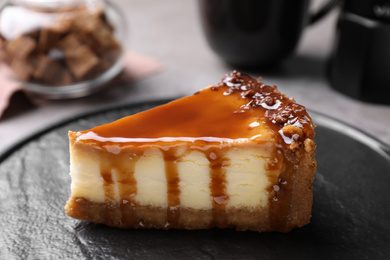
{"x":238,"y":154}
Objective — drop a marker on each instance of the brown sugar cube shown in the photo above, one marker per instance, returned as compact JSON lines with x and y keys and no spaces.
{"x":3,"y":57}
{"x":102,"y":66}
{"x":3,"y":46}
{"x":33,"y":34}
{"x":81,"y":60}
{"x":47,"y":39}
{"x":107,"y":60}
{"x":104,"y":38}
{"x":62,"y":25}
{"x":43,"y":64}
{"x":95,"y":33}
{"x":64,"y":77}
{"x":3,"y":43}
{"x":21,"y":47}
{"x":6,"y":58}
{"x":55,"y":74}
{"x":103,"y":17}
{"x":49,"y":36}
{"x":22,"y":68}
{"x":69,"y":43}
{"x":86,"y":21}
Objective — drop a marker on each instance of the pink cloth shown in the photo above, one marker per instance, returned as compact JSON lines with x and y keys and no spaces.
{"x":7,"y":88}
{"x":136,"y":66}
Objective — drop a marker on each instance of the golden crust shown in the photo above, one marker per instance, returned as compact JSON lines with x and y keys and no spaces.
{"x":302,"y":167}
{"x":112,"y":214}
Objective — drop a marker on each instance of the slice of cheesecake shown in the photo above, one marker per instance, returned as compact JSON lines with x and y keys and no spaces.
{"x":238,"y":154}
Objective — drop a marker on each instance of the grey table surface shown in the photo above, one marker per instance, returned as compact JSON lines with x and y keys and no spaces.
{"x":170,"y":31}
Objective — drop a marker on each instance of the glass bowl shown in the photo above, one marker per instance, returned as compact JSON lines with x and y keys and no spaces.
{"x":60,"y":49}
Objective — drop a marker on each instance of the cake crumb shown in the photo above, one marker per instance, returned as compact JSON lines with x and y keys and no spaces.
{"x":308,"y":145}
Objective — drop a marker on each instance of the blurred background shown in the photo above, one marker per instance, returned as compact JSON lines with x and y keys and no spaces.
{"x":170,"y":32}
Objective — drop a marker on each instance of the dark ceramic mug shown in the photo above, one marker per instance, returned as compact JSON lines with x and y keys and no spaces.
{"x":256,"y":32}
{"x":360,"y":61}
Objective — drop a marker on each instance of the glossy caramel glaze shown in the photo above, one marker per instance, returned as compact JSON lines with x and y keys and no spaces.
{"x":239,"y":109}
{"x":280,"y":110}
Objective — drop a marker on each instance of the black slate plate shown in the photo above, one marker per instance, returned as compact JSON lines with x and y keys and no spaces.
{"x":350,"y":219}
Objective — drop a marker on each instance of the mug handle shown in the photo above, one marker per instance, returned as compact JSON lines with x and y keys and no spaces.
{"x":323,"y":11}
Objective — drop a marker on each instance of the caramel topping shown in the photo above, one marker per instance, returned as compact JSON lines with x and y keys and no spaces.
{"x":207,"y":114}
{"x":284,"y":115}
{"x":239,"y":108}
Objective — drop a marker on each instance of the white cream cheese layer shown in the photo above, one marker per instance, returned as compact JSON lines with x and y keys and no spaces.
{"x":87,"y":181}
{"x":149,"y":173}
{"x":194,"y":175}
{"x":245,"y":175}
{"x":246,"y":178}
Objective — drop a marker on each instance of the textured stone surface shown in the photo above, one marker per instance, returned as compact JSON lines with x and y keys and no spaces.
{"x":350,"y":212}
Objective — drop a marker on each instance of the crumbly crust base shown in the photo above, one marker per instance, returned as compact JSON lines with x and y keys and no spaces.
{"x":128,"y":216}
{"x":301,"y":166}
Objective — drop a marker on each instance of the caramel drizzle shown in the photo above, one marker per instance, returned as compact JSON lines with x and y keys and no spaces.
{"x":109,"y":192}
{"x":108,"y":183}
{"x":218,"y":188}
{"x":173,"y":189}
{"x":280,"y":192}
{"x":127,"y":189}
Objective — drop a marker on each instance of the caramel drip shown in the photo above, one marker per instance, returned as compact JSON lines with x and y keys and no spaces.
{"x":218,"y":187}
{"x":108,"y":183}
{"x":109,"y":192}
{"x":280,"y":195}
{"x":127,"y":185}
{"x":173,"y":189}
{"x":127,"y":188}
